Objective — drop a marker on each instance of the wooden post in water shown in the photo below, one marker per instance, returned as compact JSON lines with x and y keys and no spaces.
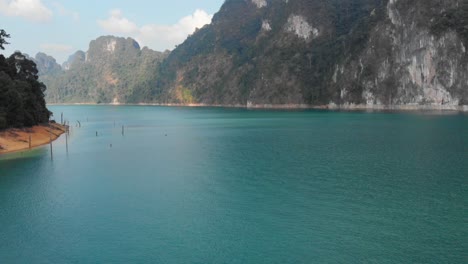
{"x":123,"y":132}
{"x":50,"y":142}
{"x":66,"y":141}
{"x":61,"y":118}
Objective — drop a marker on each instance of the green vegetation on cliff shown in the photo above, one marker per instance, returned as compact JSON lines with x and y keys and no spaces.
{"x":315,"y":52}
{"x":282,"y":53}
{"x":113,"y":70}
{"x":454,"y":18}
{"x":336,"y":52}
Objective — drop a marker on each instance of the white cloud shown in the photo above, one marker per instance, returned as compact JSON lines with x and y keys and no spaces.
{"x":116,"y":23}
{"x":63,"y":11}
{"x":33,"y":10}
{"x":158,"y":37}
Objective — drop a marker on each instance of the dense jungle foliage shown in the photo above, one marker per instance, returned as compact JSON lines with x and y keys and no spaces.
{"x":21,"y":94}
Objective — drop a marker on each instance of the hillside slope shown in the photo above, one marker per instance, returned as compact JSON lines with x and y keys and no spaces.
{"x":338,"y":53}
{"x":256,"y":53}
{"x":113,"y":70}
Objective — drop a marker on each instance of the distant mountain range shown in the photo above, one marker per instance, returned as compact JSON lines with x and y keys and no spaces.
{"x":113,"y":70}
{"x":334,"y":53}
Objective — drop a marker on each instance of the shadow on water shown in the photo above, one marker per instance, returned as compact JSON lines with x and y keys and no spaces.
{"x":22,"y":156}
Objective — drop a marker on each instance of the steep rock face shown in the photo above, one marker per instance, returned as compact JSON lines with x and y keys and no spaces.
{"x":74,"y":60}
{"x":113,"y":70}
{"x":267,"y":52}
{"x":405,"y":64}
{"x":340,"y":53}
{"x":334,"y":53}
{"x":46,"y":65}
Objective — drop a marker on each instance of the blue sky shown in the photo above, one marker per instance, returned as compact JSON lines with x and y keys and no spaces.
{"x":60,"y":27}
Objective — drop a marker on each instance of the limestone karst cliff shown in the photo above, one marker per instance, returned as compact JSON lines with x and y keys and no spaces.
{"x":334,"y":53}
{"x":113,"y":70}
{"x":339,"y":53}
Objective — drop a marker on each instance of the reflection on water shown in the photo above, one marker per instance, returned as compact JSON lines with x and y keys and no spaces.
{"x":27,"y":154}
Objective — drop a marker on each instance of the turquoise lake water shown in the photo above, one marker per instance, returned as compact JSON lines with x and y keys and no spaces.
{"x":211,"y":185}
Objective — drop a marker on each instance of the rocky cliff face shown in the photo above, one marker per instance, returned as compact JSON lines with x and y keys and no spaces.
{"x":255,"y":53}
{"x":338,"y":53}
{"x":46,"y":65}
{"x":404,"y":63}
{"x":113,"y":70}
{"x":75,"y":60}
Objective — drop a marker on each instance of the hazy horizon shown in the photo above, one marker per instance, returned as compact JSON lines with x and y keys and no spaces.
{"x":61,"y":27}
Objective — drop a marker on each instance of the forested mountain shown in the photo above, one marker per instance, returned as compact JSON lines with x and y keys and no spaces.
{"x":46,"y":65}
{"x":333,"y":53}
{"x":21,"y":94}
{"x":372,"y":53}
{"x":113,"y":70}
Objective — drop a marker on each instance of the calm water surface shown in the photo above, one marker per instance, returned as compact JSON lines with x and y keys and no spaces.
{"x":237,"y":186}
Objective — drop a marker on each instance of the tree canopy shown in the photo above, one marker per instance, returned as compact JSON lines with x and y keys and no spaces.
{"x":3,"y":36}
{"x":21,"y":94}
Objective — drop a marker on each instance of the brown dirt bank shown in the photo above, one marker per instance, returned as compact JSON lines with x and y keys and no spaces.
{"x":15,"y":139}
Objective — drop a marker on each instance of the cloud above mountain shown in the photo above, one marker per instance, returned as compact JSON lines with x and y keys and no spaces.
{"x":158,"y":37}
{"x":33,"y":10}
{"x":64,"y":12}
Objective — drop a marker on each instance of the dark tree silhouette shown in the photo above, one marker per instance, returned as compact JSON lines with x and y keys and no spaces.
{"x":21,"y":94}
{"x":3,"y":36}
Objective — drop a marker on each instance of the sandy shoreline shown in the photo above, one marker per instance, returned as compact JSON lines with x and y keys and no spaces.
{"x":17,"y":139}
